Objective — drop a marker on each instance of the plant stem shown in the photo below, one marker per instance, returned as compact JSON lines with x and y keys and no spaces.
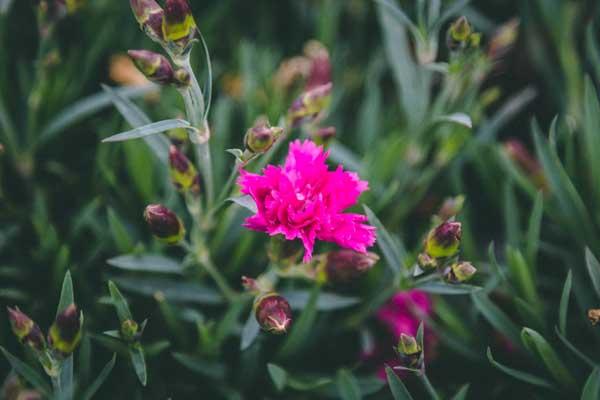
{"x":208,"y":265}
{"x":428,"y":386}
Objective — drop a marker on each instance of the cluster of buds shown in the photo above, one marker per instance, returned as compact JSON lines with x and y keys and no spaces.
{"x":164,"y":224}
{"x":158,"y":69}
{"x":273,"y":313}
{"x":441,"y":248}
{"x":63,"y":336}
{"x":460,"y":35}
{"x":345,"y":266}
{"x":410,"y":352}
{"x":183,"y":173}
{"x":261,"y":136}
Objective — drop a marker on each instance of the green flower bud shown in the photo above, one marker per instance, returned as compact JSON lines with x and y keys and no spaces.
{"x":183,"y":173}
{"x":25,"y":329}
{"x":426,"y":262}
{"x":344,"y":266}
{"x":178,"y":24}
{"x":164,"y":224}
{"x":459,"y":272}
{"x":458,"y":33}
{"x":409,"y":351}
{"x":310,"y":104}
{"x":149,"y":15}
{"x":130,"y":330}
{"x":154,"y":66}
{"x":444,"y":240}
{"x":323,"y":136}
{"x":261,"y":137}
{"x":273,"y":313}
{"x":65,"y":332}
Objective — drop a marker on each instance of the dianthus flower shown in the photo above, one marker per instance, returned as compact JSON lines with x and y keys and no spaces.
{"x":304,"y":200}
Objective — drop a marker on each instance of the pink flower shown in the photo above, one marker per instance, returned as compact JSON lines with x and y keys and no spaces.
{"x":304,"y":200}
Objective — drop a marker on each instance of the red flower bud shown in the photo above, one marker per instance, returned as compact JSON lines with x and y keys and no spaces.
{"x":164,"y":224}
{"x":273,"y":313}
{"x":25,"y":329}
{"x":443,"y":241}
{"x":65,"y":332}
{"x":178,"y":23}
{"x":183,"y":173}
{"x":323,"y":136}
{"x":149,"y":15}
{"x":344,"y":266}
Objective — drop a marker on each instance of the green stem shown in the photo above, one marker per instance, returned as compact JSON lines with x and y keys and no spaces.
{"x":428,"y":386}
{"x":219,"y":279}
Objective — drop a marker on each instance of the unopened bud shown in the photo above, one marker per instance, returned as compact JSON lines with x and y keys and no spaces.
{"x":451,"y":207}
{"x":261,"y":137}
{"x":323,"y":136}
{"x":65,"y":332}
{"x":178,"y":23}
{"x":444,"y":240}
{"x":410,"y":351}
{"x":273,"y":313}
{"x":154,"y":66}
{"x":164,"y":224}
{"x":594,"y":316}
{"x":320,"y":69}
{"x":459,"y":272}
{"x":130,"y":330}
{"x":149,"y":15}
{"x":458,"y":33}
{"x":183,"y":173}
{"x":344,"y":266}
{"x":503,"y":40}
{"x":310,"y":104}
{"x":27,"y":331}
{"x":182,"y":77}
{"x":249,"y":284}
{"x":426,"y":262}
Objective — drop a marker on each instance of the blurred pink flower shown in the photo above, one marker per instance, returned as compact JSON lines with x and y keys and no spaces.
{"x":304,"y":200}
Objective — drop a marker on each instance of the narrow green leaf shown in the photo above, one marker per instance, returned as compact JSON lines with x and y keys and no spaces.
{"x":119,"y":302}
{"x":121,"y":236}
{"x":593,"y":267}
{"x":574,"y":349}
{"x":496,"y":317}
{"x":249,"y":332}
{"x":533,"y":230}
{"x":66,"y":294}
{"x":457,"y":118}
{"x":203,"y":367}
{"x":544,"y":350}
{"x":564,"y":303}
{"x":245,"y":201}
{"x":528,"y":313}
{"x":462,"y":393}
{"x":511,"y":215}
{"x":301,"y":328}
{"x":156,"y":263}
{"x":591,"y":390}
{"x":136,"y":352}
{"x":447,"y":288}
{"x":386,"y":243}
{"x":102,"y":376}
{"x":278,"y":376}
{"x":173,"y":291}
{"x":348,"y":386}
{"x":520,"y":375}
{"x":591,"y":139}
{"x":148,"y":130}
{"x":522,"y":276}
{"x":298,"y":299}
{"x":399,"y":391}
{"x":28,"y":373}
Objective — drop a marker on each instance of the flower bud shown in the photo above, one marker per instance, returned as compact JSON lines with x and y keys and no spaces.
{"x":410,"y":351}
{"x":459,"y":272}
{"x":130,"y":330}
{"x":65,"y":332}
{"x":451,"y":207}
{"x":443,"y":241}
{"x":261,"y":137}
{"x":345,"y":265}
{"x":149,"y":15}
{"x":273,"y":313}
{"x":182,"y":77}
{"x":310,"y":104}
{"x":154,"y":66}
{"x":426,"y":262}
{"x":183,"y":173}
{"x":250,"y":284}
{"x":323,"y":136}
{"x":164,"y":224}
{"x":178,"y":24}
{"x":594,"y":316}
{"x":503,"y":40}
{"x":458,"y":33}
{"x":27,"y":331}
{"x":320,"y":69}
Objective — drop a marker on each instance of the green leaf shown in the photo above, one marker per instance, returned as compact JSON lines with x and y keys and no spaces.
{"x":136,"y":352}
{"x":173,"y":291}
{"x":522,"y":276}
{"x":399,"y":391}
{"x":574,"y":349}
{"x":119,"y":302}
{"x":457,"y":118}
{"x":300,"y":331}
{"x":496,"y":317}
{"x":564,"y":303}
{"x":298,"y":299}
{"x":249,"y":332}
{"x":528,"y":313}
{"x":511,"y":215}
{"x":348,"y":386}
{"x":447,"y":288}
{"x":520,"y":375}
{"x":390,"y":251}
{"x":533,"y":230}
{"x":462,"y":393}
{"x":120,"y":235}
{"x":591,"y":390}
{"x":102,"y":376}
{"x":278,"y":376}
{"x":146,"y":263}
{"x":203,"y":367}
{"x":593,"y":267}
{"x":591,"y":139}
{"x":28,"y":373}
{"x":149,"y":130}
{"x":66,"y":294}
{"x":539,"y":345}
{"x":245,"y":201}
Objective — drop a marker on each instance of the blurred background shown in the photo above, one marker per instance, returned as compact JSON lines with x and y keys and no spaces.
{"x":67,"y":201}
